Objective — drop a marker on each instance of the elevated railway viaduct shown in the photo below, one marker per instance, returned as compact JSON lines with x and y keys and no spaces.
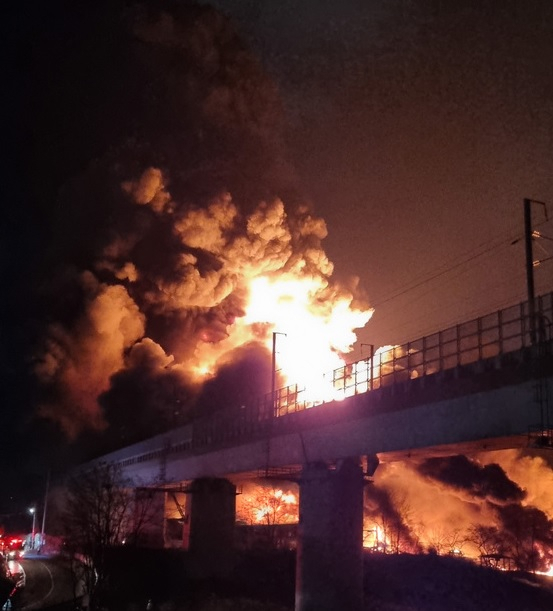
{"x":481,"y":385}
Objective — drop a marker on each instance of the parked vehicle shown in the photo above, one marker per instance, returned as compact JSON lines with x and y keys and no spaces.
{"x":13,"y":546}
{"x":7,"y":585}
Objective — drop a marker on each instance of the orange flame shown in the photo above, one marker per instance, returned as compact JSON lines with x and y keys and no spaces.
{"x":315,"y":328}
{"x":262,"y":505}
{"x":374,"y":538}
{"x":313,"y":319}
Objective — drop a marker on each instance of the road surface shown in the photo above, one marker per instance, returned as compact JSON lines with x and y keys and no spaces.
{"x":48,"y":582}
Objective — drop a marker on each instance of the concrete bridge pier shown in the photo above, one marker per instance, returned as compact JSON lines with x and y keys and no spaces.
{"x":329,"y":566}
{"x":212,"y":515}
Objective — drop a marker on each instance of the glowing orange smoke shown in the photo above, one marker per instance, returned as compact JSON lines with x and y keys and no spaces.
{"x":284,"y":280}
{"x":232,"y":279}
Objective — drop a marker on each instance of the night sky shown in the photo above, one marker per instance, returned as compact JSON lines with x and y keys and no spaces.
{"x":414,"y":129}
{"x":418,"y":128}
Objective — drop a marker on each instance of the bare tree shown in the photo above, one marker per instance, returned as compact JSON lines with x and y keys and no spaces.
{"x":487,"y":539}
{"x":445,"y":541}
{"x":269,"y":506}
{"x":400,"y":537}
{"x":101,"y":511}
{"x":390,"y":513}
{"x":525,"y":538}
{"x":527,"y":532}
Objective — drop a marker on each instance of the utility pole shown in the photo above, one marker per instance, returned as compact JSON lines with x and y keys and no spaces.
{"x":32,"y":511}
{"x":274,"y":372}
{"x":529,"y":268}
{"x":528,"y":236}
{"x":544,"y":437}
{"x":369,"y":360}
{"x":42,"y":532}
{"x":273,"y":400}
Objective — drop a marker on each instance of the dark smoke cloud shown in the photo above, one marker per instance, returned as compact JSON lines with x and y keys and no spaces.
{"x":150,"y":394}
{"x":389,"y":511}
{"x":171,"y":175}
{"x":133,"y":89}
{"x":78,"y":359}
{"x":526,"y":534}
{"x":169,"y":80}
{"x":243,"y":377}
{"x":480,"y":481}
{"x":127,"y":100}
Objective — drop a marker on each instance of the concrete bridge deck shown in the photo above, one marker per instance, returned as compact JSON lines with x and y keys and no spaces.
{"x":479,"y":385}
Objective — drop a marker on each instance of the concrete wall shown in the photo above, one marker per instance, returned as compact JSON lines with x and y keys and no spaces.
{"x":441,"y":414}
{"x":500,"y":417}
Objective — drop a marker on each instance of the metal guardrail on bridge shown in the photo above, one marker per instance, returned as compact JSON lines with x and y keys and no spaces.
{"x":502,"y":332}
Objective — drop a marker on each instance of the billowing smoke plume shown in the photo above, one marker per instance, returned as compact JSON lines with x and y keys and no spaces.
{"x":481,"y":481}
{"x":386,"y":518}
{"x":496,"y":503}
{"x":159,"y":325}
{"x":78,"y":361}
{"x":161,"y":236}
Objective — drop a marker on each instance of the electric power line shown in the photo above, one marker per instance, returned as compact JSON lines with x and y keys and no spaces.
{"x":514,"y":237}
{"x":472,"y":255}
{"x":507,"y":238}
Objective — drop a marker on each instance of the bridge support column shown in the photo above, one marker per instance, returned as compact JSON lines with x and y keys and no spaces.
{"x":329,"y":566}
{"x":212,"y":514}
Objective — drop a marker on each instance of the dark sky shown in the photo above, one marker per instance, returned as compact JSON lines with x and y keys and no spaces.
{"x":415,"y":129}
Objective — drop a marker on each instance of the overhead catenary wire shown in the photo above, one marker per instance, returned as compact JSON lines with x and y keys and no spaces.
{"x":424,"y":288}
{"x":435,"y":309}
{"x":395,"y":331}
{"x":448,"y":280}
{"x":436,"y":313}
{"x":452,"y":321}
{"x":471,"y":258}
{"x":441,"y":271}
{"x":472,"y":255}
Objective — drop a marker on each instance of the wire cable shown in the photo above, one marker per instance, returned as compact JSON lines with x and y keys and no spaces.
{"x":514,"y":234}
{"x":469,"y":261}
{"x":472,"y":255}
